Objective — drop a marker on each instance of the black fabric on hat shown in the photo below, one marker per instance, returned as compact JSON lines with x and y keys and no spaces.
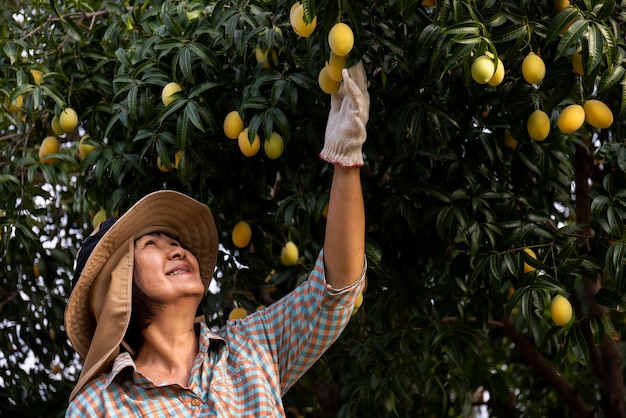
{"x":88,"y":245}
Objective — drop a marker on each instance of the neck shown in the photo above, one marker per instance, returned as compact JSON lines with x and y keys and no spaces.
{"x":169,"y":349}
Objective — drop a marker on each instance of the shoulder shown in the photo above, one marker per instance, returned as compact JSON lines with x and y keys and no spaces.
{"x":89,"y":401}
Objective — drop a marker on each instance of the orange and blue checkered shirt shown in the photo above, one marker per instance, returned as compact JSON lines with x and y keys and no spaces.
{"x":241,"y":370}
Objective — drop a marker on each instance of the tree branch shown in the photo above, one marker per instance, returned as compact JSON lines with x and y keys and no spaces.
{"x":544,"y":368}
{"x":73,"y":16}
{"x":606,"y":359}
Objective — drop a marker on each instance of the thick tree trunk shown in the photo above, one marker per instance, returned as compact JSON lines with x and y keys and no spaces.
{"x":606,"y":358}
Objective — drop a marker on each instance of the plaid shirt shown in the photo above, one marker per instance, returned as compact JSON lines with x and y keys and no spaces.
{"x":242,"y":370}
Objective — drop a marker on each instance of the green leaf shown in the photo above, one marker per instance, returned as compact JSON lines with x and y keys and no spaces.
{"x":571,"y":37}
{"x":72,"y":29}
{"x":604,"y":9}
{"x":597,"y":330}
{"x":560,"y":22}
{"x":594,"y":49}
{"x":610,"y":78}
{"x":509,"y":33}
{"x":609,"y":299}
{"x":193,"y":114}
{"x":578,"y":345}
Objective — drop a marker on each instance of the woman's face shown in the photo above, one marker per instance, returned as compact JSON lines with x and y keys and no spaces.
{"x":165,"y":270}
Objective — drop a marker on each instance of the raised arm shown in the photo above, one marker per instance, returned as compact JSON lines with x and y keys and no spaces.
{"x":344,"y":244}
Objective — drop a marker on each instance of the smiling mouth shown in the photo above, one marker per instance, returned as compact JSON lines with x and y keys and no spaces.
{"x":178,"y":271}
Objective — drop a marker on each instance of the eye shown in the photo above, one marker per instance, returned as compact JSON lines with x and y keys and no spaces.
{"x":148,"y":242}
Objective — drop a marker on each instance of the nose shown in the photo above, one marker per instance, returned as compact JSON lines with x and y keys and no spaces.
{"x":176,"y":252}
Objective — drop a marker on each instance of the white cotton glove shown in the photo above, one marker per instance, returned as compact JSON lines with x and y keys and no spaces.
{"x":349,"y":113}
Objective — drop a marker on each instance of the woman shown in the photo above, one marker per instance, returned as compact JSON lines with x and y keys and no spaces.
{"x":132,"y":314}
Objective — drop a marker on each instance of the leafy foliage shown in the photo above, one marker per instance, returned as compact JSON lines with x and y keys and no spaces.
{"x":449,"y":311}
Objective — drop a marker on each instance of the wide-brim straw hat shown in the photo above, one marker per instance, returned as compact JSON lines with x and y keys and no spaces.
{"x":99,"y":307}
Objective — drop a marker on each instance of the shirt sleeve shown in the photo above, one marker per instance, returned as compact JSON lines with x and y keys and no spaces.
{"x":300,"y":327}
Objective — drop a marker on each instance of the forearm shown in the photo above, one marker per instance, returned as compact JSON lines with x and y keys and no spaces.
{"x":344,"y":244}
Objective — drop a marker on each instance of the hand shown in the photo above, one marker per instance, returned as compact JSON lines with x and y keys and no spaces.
{"x":349,"y":113}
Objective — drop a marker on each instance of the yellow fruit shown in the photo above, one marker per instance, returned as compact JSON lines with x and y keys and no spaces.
{"x":597,"y":114}
{"x":245,"y":146}
{"x":429,"y":3}
{"x":56,"y":128}
{"x":289,"y":254}
{"x":177,"y":158}
{"x":341,"y":39}
{"x":241,"y":234}
{"x":357,"y":303}
{"x":538,"y":125}
{"x":49,"y":145}
{"x":237,"y":313}
{"x":577,"y":64}
{"x":193,"y":15}
{"x":84,"y":149}
{"x":335,"y":65}
{"x":325,"y":211}
{"x":482,"y":69}
{"x":560,"y":5}
{"x":36,"y":76}
{"x":326,"y":83}
{"x":509,"y":141}
{"x":68,"y":120}
{"x":261,"y":57}
{"x":293,"y":9}
{"x":560,"y":310}
{"x":15,"y":105}
{"x":533,"y":69}
{"x":100,"y":216}
{"x":233,"y":125}
{"x":274,"y":146}
{"x":161,"y":166}
{"x":498,"y":75}
{"x":298,"y":24}
{"x":510,"y":292}
{"x":167,"y":92}
{"x":179,"y":154}
{"x":571,"y":118}
{"x":527,"y":267}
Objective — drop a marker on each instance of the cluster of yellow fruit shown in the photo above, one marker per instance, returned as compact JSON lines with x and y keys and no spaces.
{"x":234,"y":129}
{"x":593,"y":111}
{"x":15,"y":106}
{"x":267,"y":57}
{"x":486,"y":70}
{"x":340,"y":41}
{"x":66,"y":122}
{"x":560,"y":307}
{"x":173,"y":165}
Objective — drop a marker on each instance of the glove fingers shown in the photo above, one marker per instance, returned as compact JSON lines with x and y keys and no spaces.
{"x":355,"y":83}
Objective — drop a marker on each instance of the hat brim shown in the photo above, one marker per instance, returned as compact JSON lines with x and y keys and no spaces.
{"x":164,"y":210}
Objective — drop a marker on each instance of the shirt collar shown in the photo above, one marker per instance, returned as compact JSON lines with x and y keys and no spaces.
{"x":207,"y":341}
